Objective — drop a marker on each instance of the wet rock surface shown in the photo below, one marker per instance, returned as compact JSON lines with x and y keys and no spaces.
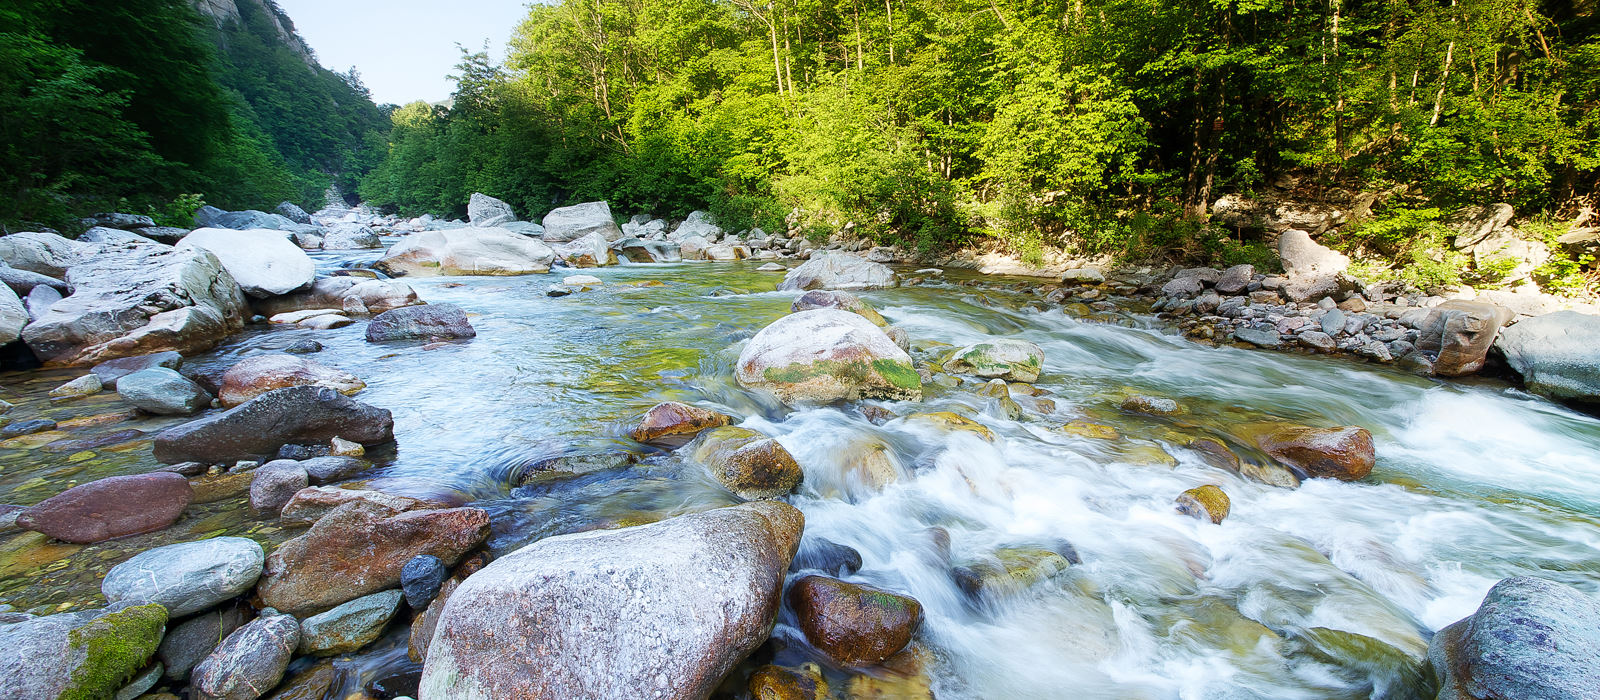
{"x":854,"y":624}
{"x":432,"y":321}
{"x":258,"y":427}
{"x":187,"y":578}
{"x":825,"y":355}
{"x":113,"y":507}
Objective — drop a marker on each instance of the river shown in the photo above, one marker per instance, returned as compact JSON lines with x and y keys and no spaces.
{"x":1328,"y":590}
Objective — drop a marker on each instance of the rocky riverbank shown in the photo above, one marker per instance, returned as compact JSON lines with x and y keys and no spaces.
{"x":335,"y":545}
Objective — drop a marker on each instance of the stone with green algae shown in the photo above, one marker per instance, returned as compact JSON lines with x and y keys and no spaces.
{"x":79,"y":655}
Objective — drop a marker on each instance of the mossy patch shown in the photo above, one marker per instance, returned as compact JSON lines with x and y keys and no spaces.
{"x":116,"y":645}
{"x":881,"y":378}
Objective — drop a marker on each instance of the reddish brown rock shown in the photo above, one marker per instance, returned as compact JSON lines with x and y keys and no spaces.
{"x":854,"y":624}
{"x":1344,"y":453}
{"x":675,"y":421}
{"x":308,"y":505}
{"x":260,"y":374}
{"x":114,"y":507}
{"x":358,"y":549}
{"x":423,"y":626}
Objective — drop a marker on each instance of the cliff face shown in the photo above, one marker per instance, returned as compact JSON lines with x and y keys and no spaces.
{"x":223,"y":12}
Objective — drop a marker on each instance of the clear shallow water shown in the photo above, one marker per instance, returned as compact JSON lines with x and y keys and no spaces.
{"x":1474,"y":482}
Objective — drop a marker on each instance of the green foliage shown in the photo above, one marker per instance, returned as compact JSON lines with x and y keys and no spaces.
{"x":179,"y":212}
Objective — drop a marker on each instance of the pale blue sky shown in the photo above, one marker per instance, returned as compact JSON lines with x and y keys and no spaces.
{"x":403,"y":48}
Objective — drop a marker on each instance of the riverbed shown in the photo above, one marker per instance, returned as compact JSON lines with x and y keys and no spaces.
{"x":1328,"y":590}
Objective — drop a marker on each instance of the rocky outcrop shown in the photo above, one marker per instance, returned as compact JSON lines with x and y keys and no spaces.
{"x":13,"y":316}
{"x":136,"y":299}
{"x":486,"y":212}
{"x":258,"y":427}
{"x":698,"y":223}
{"x":643,"y":251}
{"x":838,"y":271}
{"x":44,"y":253}
{"x":590,"y":250}
{"x":85,"y":654}
{"x":259,"y":374}
{"x":351,"y":295}
{"x":1530,"y":639}
{"x":292,"y":212}
{"x":1557,"y":354}
{"x":467,"y":251}
{"x":263,"y":262}
{"x":826,"y":355}
{"x":113,"y":507}
{"x":579,"y":220}
{"x":186,"y":578}
{"x":659,"y":610}
{"x":1457,"y":335}
{"x":360,"y":548}
{"x":427,"y":322}
{"x":350,"y":237}
{"x":1314,"y":271}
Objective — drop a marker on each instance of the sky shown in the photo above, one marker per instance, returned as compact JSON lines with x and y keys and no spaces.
{"x":403,"y":48}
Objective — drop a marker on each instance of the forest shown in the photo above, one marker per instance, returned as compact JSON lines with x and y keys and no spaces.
{"x":1092,"y":125}
{"x":145,"y":106}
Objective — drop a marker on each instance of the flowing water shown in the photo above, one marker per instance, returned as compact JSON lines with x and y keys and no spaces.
{"x":1328,"y":590}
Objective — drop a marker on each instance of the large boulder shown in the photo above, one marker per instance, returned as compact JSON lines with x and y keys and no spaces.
{"x":292,"y":212}
{"x":838,"y":271}
{"x":112,"y":507}
{"x":429,"y":321}
{"x":467,"y":251}
{"x":700,"y":224}
{"x":1475,"y":224}
{"x":485,"y":211}
{"x":135,"y":299}
{"x":1457,"y":335}
{"x":360,"y":548}
{"x":591,"y":250}
{"x":23,"y":282}
{"x":13,"y":316}
{"x":263,"y":262}
{"x":189,"y":577}
{"x":258,"y":427}
{"x":1530,"y":639}
{"x":1007,"y":358}
{"x":350,"y":237}
{"x":1557,"y":354}
{"x":844,"y":301}
{"x":259,"y":374}
{"x":44,"y":253}
{"x":579,"y":220}
{"x":352,"y":295}
{"x":1314,"y":270}
{"x":659,"y":610}
{"x":642,"y":251}
{"x":1343,"y":453}
{"x":250,"y":661}
{"x":249,"y":219}
{"x":164,"y":392}
{"x":825,"y":355}
{"x":85,"y":654}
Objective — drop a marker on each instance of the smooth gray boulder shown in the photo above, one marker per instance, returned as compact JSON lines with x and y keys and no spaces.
{"x":700,"y":224}
{"x":350,"y":237}
{"x":39,"y":300}
{"x":45,"y":253}
{"x":265,"y":263}
{"x":134,"y":299}
{"x":579,"y":220}
{"x":1557,"y":354}
{"x":838,"y":271}
{"x":250,"y":219}
{"x":275,"y":484}
{"x":250,"y":662}
{"x":658,"y":610}
{"x":163,"y":392}
{"x":189,"y":577}
{"x":591,"y":250}
{"x":351,"y":295}
{"x":292,"y":212}
{"x":104,"y":234}
{"x":258,"y":427}
{"x":1530,"y":639}
{"x":442,"y":321}
{"x":23,"y":281}
{"x":1313,"y":270}
{"x":349,"y":626}
{"x":128,"y":222}
{"x":826,"y":355}
{"x":13,"y":316}
{"x":112,"y":370}
{"x":467,"y":251}
{"x":486,"y":212}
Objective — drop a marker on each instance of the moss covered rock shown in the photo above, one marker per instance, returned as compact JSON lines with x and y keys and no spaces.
{"x":1012,"y":360}
{"x":781,"y":683}
{"x":844,"y":301}
{"x":826,"y":355}
{"x":748,"y":463}
{"x":81,"y":655}
{"x":1204,"y":502}
{"x":1012,"y":570}
{"x":952,"y":422}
